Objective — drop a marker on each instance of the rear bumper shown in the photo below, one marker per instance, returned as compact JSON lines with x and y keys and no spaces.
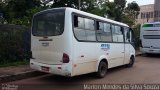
{"x":62,"y":70}
{"x":150,"y":50}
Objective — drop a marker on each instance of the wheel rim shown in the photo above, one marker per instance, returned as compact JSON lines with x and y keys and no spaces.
{"x":103,"y":70}
{"x":132,"y":61}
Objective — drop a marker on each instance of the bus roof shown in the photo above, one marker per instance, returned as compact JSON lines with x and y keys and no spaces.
{"x":88,"y":14}
{"x":97,"y":17}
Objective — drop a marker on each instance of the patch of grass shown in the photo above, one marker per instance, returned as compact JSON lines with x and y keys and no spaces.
{"x":17,"y":63}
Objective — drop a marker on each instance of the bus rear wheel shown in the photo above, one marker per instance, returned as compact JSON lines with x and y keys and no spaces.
{"x":102,"y":69}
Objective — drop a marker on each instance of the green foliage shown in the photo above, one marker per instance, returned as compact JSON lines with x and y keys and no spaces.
{"x":92,"y":6}
{"x":20,"y":12}
{"x":136,"y":30}
{"x":1,"y":11}
{"x":132,"y":12}
{"x":120,"y":3}
{"x":14,"y":45}
{"x":97,"y":7}
{"x":133,"y":8}
{"x":24,"y":62}
{"x":65,"y":3}
{"x":115,"y":10}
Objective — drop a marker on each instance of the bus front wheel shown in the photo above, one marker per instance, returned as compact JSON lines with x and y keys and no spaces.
{"x":131,"y":62}
{"x":102,"y":69}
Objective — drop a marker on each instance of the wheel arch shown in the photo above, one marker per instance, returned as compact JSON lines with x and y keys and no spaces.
{"x":104,"y":59}
{"x":132,"y":56}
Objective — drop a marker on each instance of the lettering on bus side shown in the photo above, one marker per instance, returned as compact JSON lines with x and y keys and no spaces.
{"x":105,"y":47}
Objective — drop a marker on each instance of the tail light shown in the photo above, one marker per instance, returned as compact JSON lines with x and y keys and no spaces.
{"x":65,"y":58}
{"x":140,"y":43}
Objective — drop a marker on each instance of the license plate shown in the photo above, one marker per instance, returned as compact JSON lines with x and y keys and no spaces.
{"x":46,"y":69}
{"x":45,"y":44}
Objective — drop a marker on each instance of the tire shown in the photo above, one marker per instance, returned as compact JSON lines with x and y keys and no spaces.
{"x":102,"y":70}
{"x":131,"y":63}
{"x":148,"y":54}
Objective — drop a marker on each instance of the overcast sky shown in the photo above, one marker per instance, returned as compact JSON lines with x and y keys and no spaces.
{"x":142,"y":2}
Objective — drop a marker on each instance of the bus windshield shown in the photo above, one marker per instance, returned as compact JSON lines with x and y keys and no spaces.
{"x":48,"y":24}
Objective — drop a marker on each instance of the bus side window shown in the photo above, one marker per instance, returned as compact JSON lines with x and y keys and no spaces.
{"x":103,"y":32}
{"x":117,"y":34}
{"x":84,"y":28}
{"x":127,"y":34}
{"x":75,"y":21}
{"x":78,"y":22}
{"x":89,"y":29}
{"x":79,"y":28}
{"x":132,"y":36}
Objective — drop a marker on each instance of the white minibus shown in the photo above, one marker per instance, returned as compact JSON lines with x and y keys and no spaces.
{"x":70,"y":42}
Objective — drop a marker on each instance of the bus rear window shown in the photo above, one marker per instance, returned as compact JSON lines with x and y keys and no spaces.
{"x":48,"y":24}
{"x":151,"y":36}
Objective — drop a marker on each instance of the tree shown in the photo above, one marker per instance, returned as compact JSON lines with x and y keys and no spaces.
{"x":65,"y":3}
{"x":133,"y":9}
{"x":1,"y":12}
{"x":132,"y":12}
{"x":97,"y":7}
{"x":91,"y":6}
{"x":21,"y":11}
{"x":136,"y":30}
{"x":116,"y":9}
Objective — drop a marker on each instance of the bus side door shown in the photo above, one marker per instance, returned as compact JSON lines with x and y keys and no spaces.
{"x":129,"y":44}
{"x":118,"y":45}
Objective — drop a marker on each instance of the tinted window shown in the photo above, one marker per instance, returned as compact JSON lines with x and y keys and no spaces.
{"x":84,"y":28}
{"x":117,"y":33}
{"x":127,"y":34}
{"x":103,"y":32}
{"x":80,"y":22}
{"x":90,"y":34}
{"x":89,"y":24}
{"x":107,"y":27}
{"x":151,"y":36}
{"x":48,"y":24}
